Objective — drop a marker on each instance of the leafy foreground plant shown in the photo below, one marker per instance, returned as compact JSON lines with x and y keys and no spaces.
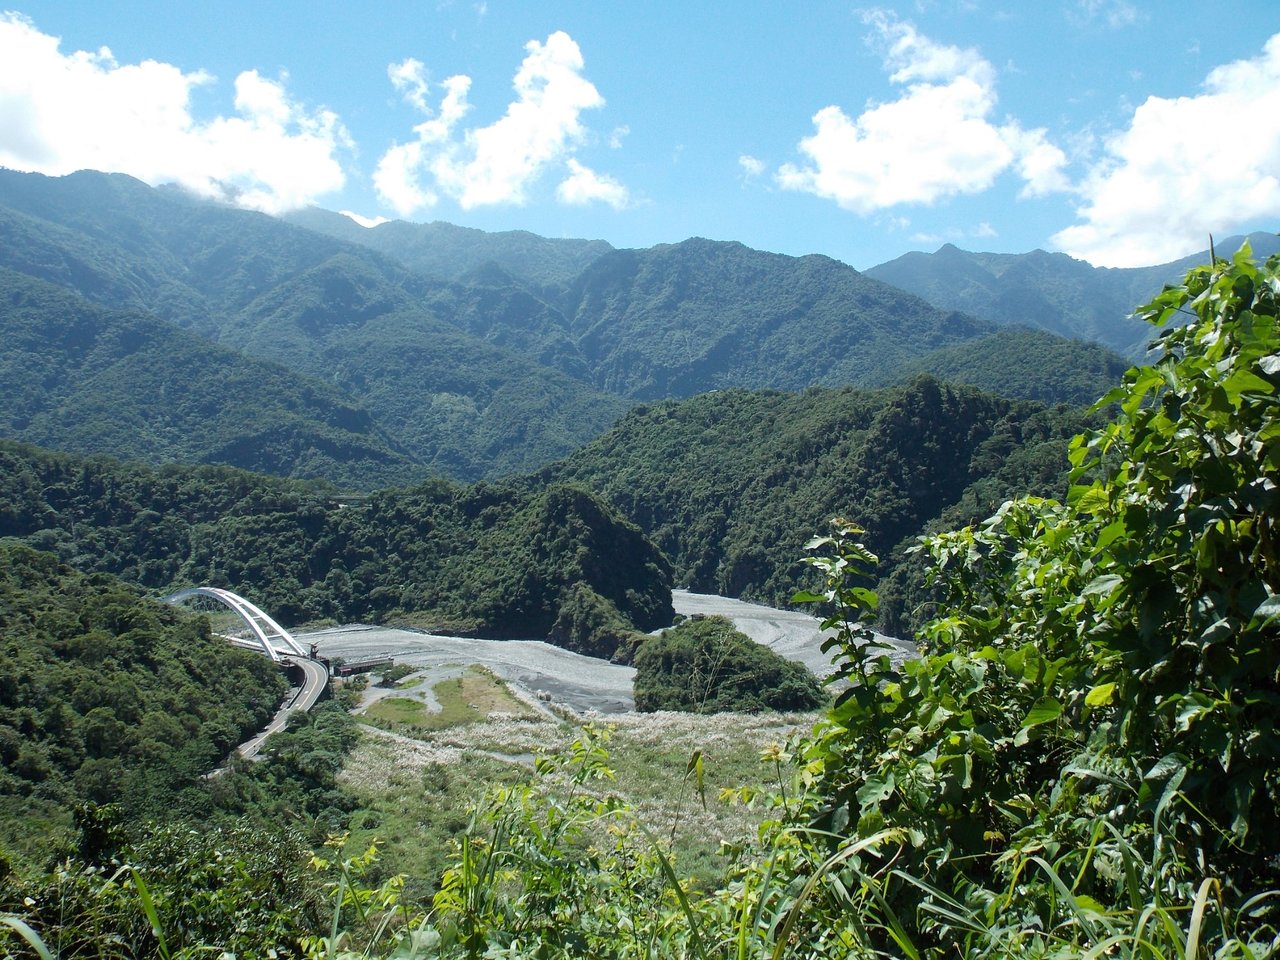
{"x":1086,"y":757}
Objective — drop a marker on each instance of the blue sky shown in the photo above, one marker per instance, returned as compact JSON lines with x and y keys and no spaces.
{"x":1122,"y":132}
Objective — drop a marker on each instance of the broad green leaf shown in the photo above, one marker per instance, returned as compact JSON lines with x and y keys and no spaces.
{"x":876,"y":791}
{"x":1266,"y":612}
{"x":1046,"y":710}
{"x":1191,"y":707}
{"x":1246,"y":381}
{"x":1100,"y":695}
{"x":1101,"y":586}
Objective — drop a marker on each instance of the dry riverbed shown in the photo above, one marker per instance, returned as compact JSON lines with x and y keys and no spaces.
{"x":538,"y":671}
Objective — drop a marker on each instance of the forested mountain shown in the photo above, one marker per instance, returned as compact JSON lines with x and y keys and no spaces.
{"x":515,"y":560}
{"x":1049,"y":291}
{"x":732,"y":484}
{"x":680,"y":319}
{"x":1023,"y":363}
{"x":451,"y":252}
{"x":109,"y":697}
{"x":455,"y":403}
{"x":527,"y":350}
{"x":77,"y":376}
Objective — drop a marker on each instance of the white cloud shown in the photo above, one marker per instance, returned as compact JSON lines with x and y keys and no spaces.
{"x":367,"y":222}
{"x":751,"y":167}
{"x":616,"y":138}
{"x":934,"y":141}
{"x":410,"y":80}
{"x":584,"y":185}
{"x":1115,"y":13}
{"x":984,"y":231}
{"x":64,"y":112}
{"x":1040,"y":163}
{"x":498,"y":163}
{"x":1184,"y":168}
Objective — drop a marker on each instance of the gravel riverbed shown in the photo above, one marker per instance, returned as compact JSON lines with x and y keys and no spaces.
{"x":585,"y":684}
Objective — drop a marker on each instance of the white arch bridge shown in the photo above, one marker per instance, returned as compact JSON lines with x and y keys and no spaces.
{"x":275,"y":642}
{"x":268,"y":636}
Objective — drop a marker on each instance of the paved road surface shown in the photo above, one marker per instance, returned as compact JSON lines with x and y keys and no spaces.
{"x":304,"y":698}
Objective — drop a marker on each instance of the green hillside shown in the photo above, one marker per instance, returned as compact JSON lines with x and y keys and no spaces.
{"x":499,"y":561}
{"x":81,"y":378}
{"x":1049,"y":291}
{"x":681,"y":319}
{"x":109,"y":697}
{"x":732,"y":484}
{"x":451,"y":252}
{"x":464,"y":405}
{"x":1023,"y":363}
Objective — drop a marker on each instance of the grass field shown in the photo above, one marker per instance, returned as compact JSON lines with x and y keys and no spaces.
{"x":417,"y":779}
{"x":471,"y":697}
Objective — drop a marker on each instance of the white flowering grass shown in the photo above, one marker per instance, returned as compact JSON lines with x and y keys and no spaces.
{"x":417,"y":789}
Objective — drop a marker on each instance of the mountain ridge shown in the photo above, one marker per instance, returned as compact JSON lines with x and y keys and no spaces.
{"x":1050,"y":291}
{"x":492,"y":373}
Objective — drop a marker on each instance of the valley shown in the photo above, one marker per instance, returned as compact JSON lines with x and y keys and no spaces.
{"x":572,"y":491}
{"x":585,"y":685}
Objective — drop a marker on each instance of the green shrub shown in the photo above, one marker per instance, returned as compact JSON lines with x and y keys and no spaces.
{"x":704,"y":665}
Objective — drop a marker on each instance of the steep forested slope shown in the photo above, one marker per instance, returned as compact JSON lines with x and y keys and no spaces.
{"x":451,"y":252}
{"x":1025,"y":364}
{"x":469,"y":406}
{"x":109,"y":697}
{"x":468,"y":403}
{"x":504,"y":561}
{"x":680,"y":319}
{"x":732,"y":484}
{"x":513,"y":362}
{"x":1051,"y":291}
{"x":90,"y":380}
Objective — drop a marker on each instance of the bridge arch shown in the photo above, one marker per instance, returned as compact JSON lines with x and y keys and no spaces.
{"x":269,"y":637}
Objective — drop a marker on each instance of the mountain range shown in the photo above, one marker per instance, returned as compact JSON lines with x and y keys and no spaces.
{"x":374,"y":356}
{"x":1050,"y":291}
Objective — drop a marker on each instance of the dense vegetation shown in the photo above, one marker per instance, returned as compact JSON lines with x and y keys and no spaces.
{"x":728,"y":485}
{"x":381,"y":337}
{"x":110,"y":698}
{"x":451,"y":252}
{"x":374,"y":356}
{"x":1083,"y":762}
{"x":1050,"y":291}
{"x":704,"y":665}
{"x":1088,"y":748}
{"x":504,"y":561}
{"x":1027,"y":364}
{"x":76,"y":376}
{"x":731,"y":484}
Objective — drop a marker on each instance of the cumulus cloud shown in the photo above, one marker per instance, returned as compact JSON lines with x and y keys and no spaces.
{"x":410,"y":80}
{"x":1184,"y":168}
{"x":751,"y":166}
{"x":584,"y":186}
{"x":496,"y":164}
{"x":935,"y":141}
{"x":64,"y":112}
